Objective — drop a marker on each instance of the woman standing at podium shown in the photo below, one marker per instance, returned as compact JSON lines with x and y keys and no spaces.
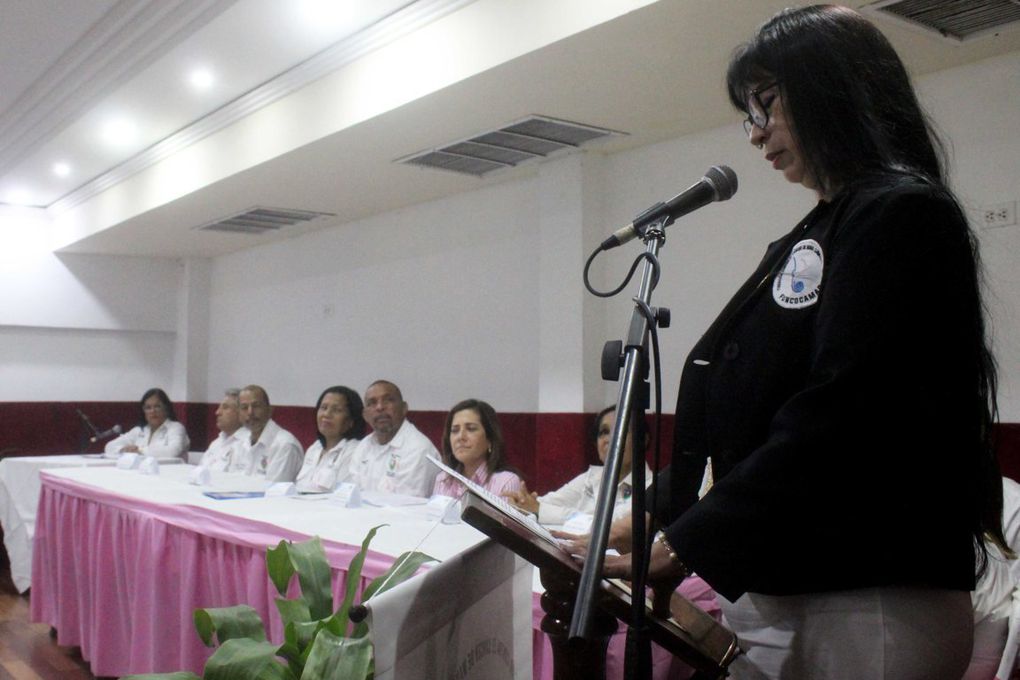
{"x":846,"y":394}
{"x":158,"y":434}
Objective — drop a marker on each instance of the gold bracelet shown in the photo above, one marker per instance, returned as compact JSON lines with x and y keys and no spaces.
{"x":660,"y":537}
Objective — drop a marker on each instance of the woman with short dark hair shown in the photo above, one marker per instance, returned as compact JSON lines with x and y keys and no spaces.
{"x":339,"y":426}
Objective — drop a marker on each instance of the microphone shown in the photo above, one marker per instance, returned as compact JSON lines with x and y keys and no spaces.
{"x":88,"y":423}
{"x":116,"y":429}
{"x":718,"y":184}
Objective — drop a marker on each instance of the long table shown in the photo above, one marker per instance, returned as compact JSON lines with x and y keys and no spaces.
{"x":122,"y":560}
{"x":19,"y":496}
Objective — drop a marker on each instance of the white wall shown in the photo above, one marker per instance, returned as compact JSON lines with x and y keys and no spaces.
{"x":441,"y":298}
{"x":81,"y":327}
{"x":474,"y":295}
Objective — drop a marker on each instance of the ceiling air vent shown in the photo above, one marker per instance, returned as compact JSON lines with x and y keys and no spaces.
{"x":527,"y":140}
{"x":260,"y":220}
{"x":955,"y":20}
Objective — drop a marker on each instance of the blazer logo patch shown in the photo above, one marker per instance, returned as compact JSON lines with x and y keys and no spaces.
{"x":797,"y":286}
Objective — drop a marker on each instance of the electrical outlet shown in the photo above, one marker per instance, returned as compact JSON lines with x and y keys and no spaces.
{"x":999,"y":215}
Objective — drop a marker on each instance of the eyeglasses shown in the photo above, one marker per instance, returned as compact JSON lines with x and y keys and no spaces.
{"x":757,"y":109}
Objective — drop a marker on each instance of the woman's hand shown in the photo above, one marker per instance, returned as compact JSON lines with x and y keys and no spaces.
{"x":620,"y":534}
{"x":523,"y":499}
{"x":664,"y":575}
{"x":575,"y":544}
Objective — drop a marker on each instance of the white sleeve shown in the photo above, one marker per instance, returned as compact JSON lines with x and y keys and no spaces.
{"x":308,"y":464}
{"x":285,"y":462}
{"x":556,"y":506}
{"x":416,"y":475}
{"x":176,"y":445}
{"x":114,"y":446}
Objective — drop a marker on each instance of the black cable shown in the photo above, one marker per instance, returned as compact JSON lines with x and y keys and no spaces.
{"x":643,"y":256}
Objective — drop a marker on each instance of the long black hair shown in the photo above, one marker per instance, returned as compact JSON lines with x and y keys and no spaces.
{"x":854,"y":115}
{"x":853,"y":108}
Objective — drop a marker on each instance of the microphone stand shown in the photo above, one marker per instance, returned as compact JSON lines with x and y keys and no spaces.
{"x":630,"y":408}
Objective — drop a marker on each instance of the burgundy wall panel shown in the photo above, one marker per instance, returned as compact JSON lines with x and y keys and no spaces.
{"x":548,"y":449}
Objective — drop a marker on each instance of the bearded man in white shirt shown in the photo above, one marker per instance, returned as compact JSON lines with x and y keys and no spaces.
{"x":393,"y":458}
{"x":271,"y":451}
{"x":227,"y":453}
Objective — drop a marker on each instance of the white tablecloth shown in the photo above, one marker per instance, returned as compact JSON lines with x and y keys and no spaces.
{"x":19,"y":497}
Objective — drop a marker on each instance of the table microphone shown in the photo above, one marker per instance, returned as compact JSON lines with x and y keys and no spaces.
{"x":116,"y":429}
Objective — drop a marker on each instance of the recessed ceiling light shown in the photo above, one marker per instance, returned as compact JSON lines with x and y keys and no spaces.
{"x":201,"y":79}
{"x":119,"y":132}
{"x":61,"y":169}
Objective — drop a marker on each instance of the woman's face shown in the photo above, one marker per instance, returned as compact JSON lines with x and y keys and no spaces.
{"x":155,"y":412}
{"x":605,"y":435}
{"x":468,"y":440}
{"x":776,"y":139}
{"x":334,"y":417}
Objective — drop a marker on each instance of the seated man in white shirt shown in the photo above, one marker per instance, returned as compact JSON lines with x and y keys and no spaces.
{"x":392,"y":458}
{"x":227,"y":453}
{"x":271,"y":451}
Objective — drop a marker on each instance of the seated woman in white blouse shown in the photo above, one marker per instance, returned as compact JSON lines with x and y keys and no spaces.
{"x":473,"y":446}
{"x":579,"y":494}
{"x":158,"y":433}
{"x":340,"y":425}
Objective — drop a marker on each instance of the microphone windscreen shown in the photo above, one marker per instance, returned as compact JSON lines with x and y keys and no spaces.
{"x":724,"y":180}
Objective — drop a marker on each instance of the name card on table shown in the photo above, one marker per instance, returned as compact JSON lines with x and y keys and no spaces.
{"x":129,"y":461}
{"x":149,"y":466}
{"x":347,"y":494}
{"x":445,"y":508}
{"x":281,"y":489}
{"x":200,"y":476}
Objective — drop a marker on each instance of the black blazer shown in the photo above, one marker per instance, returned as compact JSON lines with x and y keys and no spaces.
{"x":837,"y":396}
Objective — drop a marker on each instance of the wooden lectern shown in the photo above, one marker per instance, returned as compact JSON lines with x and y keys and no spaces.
{"x":689,"y":633}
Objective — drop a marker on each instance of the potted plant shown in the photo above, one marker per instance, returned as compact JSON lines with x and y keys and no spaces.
{"x":319,"y":643}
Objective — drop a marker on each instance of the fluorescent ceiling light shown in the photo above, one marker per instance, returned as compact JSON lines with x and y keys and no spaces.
{"x":61,"y":169}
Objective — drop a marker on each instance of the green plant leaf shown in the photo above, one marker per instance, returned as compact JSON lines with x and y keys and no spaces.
{"x":338,"y":622}
{"x":315,"y":575}
{"x":279,"y":566}
{"x":244,"y":659}
{"x":291,"y":651}
{"x":301,"y":635}
{"x":229,"y":623}
{"x":337,"y":658}
{"x":179,"y":675}
{"x":295,"y":611}
{"x":403,"y":568}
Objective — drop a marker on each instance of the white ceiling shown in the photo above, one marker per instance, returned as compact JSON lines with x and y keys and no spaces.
{"x":300,"y":117}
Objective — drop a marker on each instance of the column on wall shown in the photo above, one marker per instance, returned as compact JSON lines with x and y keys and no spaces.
{"x":571,"y":319}
{"x":191,"y":347}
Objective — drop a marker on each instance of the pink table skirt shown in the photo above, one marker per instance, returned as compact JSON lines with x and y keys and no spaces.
{"x":120,"y":578}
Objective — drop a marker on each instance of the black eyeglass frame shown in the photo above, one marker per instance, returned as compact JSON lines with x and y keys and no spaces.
{"x":759,"y":117}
